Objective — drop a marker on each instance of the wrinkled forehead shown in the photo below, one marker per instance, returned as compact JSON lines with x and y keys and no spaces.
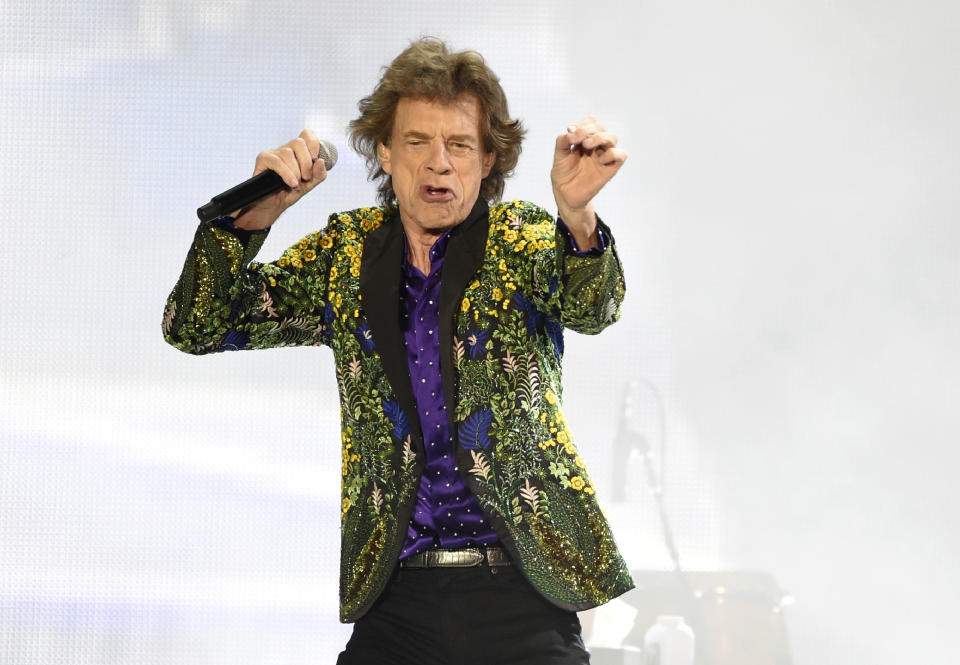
{"x":461,"y":115}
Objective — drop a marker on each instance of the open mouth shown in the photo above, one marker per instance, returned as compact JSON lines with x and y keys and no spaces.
{"x":435,"y":194}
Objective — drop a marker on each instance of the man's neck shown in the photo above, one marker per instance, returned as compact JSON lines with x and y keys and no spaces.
{"x":419,"y":244}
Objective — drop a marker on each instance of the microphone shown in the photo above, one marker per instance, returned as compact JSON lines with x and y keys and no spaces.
{"x":255,"y":188}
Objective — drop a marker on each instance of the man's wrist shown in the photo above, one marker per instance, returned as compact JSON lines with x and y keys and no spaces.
{"x":594,"y":246}
{"x":581,"y":224}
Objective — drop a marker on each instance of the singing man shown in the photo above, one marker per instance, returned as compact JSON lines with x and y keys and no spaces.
{"x":470,"y":530}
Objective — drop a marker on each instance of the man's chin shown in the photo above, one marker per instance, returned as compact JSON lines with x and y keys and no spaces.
{"x":435,"y":218}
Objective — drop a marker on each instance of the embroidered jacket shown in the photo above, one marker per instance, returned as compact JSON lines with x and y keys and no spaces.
{"x":510,"y":284}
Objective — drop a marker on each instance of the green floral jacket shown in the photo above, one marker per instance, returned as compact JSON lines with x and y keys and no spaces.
{"x":510,"y":285}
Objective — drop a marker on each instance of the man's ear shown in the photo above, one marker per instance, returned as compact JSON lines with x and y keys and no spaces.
{"x":488,"y":160}
{"x":383,"y":154}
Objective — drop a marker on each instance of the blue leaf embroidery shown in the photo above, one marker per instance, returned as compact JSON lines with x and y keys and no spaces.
{"x":401,"y":427}
{"x":555,"y":332}
{"x":365,"y":337}
{"x":476,"y":342}
{"x":534,"y":316}
{"x":473,"y":430}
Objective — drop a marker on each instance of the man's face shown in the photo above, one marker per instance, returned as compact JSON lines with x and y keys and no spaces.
{"x":436,"y":160}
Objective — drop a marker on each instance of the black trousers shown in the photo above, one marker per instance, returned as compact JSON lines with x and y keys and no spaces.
{"x":464,"y":616}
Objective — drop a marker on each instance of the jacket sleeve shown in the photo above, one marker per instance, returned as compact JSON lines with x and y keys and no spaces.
{"x":582,"y":291}
{"x":222,"y":301}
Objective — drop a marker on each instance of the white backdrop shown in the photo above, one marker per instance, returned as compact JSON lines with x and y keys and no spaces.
{"x":788,"y":223}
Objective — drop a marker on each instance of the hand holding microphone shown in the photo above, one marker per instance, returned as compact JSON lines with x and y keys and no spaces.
{"x":281,"y":177}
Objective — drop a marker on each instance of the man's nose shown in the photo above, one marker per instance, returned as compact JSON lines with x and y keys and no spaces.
{"x":439,"y":159}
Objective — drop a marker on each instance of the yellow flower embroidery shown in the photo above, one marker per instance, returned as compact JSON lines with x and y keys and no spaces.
{"x":562,"y":436}
{"x":568,"y":448}
{"x":502,"y":266}
{"x":309,"y":255}
{"x":326,"y":242}
{"x":588,"y":490}
{"x":550,"y":396}
{"x":497,"y":294}
{"x":465,"y":304}
{"x":510,"y":236}
{"x":355,"y":271}
{"x":283,"y":262}
{"x":577,"y":483}
{"x":296,"y":263}
{"x":333,"y":272}
{"x":474,"y":284}
{"x":350,"y":250}
{"x":272,"y":281}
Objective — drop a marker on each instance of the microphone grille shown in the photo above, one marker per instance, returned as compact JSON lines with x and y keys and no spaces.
{"x":328,"y":153}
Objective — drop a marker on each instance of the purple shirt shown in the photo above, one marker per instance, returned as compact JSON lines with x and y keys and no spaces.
{"x":447,"y":514}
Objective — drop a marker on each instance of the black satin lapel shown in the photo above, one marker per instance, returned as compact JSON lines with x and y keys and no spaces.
{"x":461,"y":261}
{"x":380,"y":287}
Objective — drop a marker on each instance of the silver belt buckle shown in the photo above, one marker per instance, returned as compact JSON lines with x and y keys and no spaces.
{"x":463,"y":558}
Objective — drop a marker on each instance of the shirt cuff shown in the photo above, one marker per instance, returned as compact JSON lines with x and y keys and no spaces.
{"x":596,"y":250}
{"x":226,"y":223}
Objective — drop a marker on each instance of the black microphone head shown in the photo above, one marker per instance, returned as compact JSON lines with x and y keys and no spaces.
{"x":328,"y":153}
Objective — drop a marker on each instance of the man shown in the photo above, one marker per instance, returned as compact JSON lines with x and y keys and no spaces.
{"x":470,"y":528}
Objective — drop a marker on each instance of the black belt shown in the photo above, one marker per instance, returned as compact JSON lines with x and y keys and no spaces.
{"x":466,"y":557}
